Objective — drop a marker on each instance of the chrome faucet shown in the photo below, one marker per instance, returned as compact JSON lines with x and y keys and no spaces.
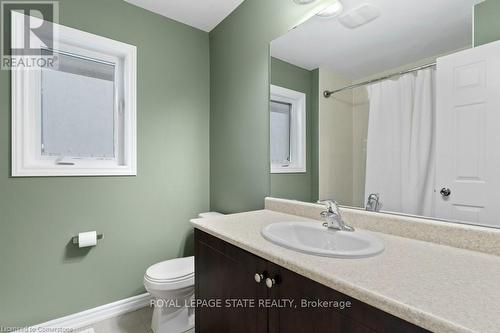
{"x":333,"y":218}
{"x":373,"y":203}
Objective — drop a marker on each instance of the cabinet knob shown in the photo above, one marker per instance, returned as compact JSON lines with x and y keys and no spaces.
{"x":270,"y":282}
{"x":259,"y":277}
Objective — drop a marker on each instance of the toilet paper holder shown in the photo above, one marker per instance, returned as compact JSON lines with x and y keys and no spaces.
{"x":74,"y":240}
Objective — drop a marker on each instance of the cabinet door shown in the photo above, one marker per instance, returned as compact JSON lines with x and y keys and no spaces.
{"x":306,"y":317}
{"x":224,"y":272}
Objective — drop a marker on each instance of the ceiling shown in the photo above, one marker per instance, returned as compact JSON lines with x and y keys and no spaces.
{"x":201,"y":14}
{"x":405,"y":32}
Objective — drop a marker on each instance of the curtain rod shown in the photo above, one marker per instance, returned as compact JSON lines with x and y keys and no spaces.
{"x":328,"y":93}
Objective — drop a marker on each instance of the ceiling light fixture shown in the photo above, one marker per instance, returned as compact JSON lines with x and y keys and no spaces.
{"x":332,"y":10}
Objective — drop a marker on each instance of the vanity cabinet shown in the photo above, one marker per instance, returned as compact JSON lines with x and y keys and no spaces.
{"x":282,"y":301}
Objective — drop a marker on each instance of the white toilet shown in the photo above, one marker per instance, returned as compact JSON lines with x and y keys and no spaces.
{"x":171,"y":283}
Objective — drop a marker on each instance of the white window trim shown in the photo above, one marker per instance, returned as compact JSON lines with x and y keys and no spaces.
{"x":297,"y":129}
{"x":26,"y":159}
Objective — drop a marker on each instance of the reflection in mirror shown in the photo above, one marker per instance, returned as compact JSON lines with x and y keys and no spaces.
{"x":288,"y":132}
{"x":291,"y":85}
{"x":280,"y":133}
{"x":401,"y":109}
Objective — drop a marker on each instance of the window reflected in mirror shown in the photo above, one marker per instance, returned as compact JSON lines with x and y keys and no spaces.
{"x":287,"y":119}
{"x":280,"y":133}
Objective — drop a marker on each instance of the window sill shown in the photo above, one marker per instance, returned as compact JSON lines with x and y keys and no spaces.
{"x":290,"y":169}
{"x":72,"y":171}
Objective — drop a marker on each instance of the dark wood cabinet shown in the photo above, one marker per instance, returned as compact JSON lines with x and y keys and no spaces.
{"x":230,"y":300}
{"x":225,"y":274}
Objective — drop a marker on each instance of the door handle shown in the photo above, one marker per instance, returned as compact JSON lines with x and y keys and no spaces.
{"x":445,"y":192}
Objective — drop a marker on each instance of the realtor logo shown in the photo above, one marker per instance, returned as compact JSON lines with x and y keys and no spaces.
{"x":28,"y":35}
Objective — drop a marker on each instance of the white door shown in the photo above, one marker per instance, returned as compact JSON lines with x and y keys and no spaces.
{"x":468,"y":136}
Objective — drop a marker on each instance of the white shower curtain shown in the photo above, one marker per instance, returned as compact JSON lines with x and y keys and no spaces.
{"x":400,"y":149}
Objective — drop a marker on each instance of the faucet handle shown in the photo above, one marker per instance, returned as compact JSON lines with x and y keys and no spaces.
{"x":333,"y":217}
{"x":373,"y":203}
{"x":331,"y":205}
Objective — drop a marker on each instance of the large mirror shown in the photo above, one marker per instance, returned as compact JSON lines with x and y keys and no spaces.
{"x":387,"y":106}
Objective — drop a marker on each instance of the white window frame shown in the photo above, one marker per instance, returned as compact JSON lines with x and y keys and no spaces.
{"x":297,"y":100}
{"x":27,"y":160}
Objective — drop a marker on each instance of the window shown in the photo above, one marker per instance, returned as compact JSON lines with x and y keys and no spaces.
{"x":77,"y":117}
{"x":288,"y":130}
{"x":280,"y":133}
{"x":85,"y":109}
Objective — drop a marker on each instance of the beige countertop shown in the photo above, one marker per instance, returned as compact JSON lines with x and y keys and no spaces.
{"x":437,"y":287}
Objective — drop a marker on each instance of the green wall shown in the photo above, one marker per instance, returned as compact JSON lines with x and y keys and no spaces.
{"x":239,"y":111}
{"x":296,"y":186}
{"x":144,"y":219}
{"x":487,"y":22}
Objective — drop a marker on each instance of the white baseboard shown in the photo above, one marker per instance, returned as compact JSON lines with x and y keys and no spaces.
{"x":95,"y":315}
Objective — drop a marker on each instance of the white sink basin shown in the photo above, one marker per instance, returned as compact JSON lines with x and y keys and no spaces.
{"x":314,"y":238}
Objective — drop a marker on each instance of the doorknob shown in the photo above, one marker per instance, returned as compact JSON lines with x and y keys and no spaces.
{"x":445,"y":192}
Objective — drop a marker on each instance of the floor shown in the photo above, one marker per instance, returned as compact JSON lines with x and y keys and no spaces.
{"x":134,"y":322}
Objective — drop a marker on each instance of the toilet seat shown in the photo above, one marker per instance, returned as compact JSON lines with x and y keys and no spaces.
{"x":170,"y":274}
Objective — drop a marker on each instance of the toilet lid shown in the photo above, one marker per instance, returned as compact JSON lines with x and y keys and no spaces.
{"x":175,"y":269}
